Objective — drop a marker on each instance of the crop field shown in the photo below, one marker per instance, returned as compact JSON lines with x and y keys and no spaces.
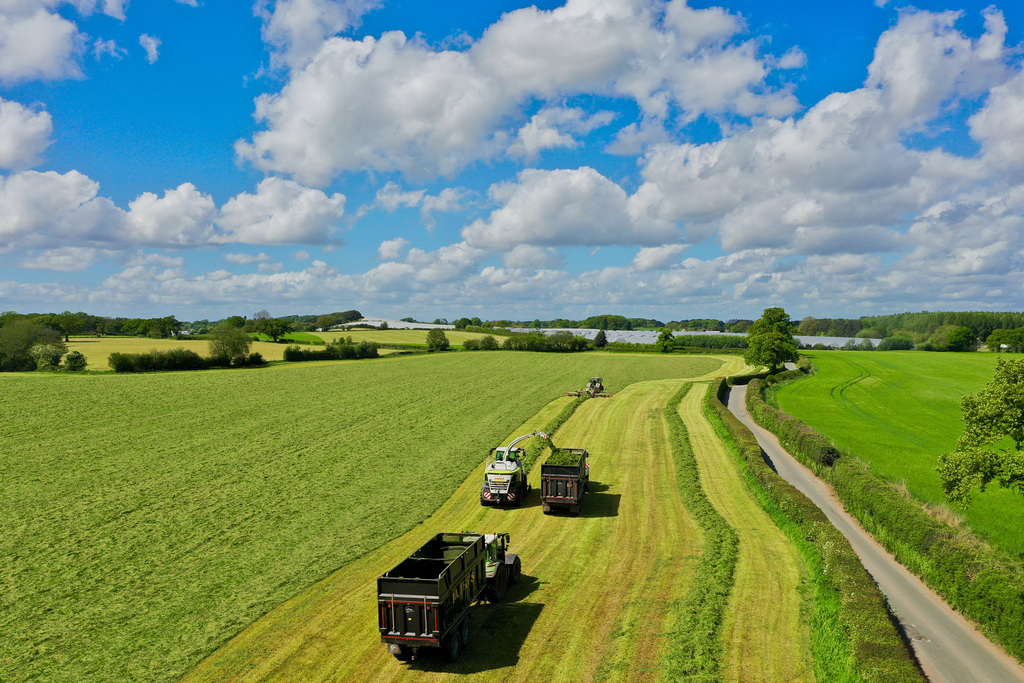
{"x":149,"y":518}
{"x":596,"y":601}
{"x":97,"y":349}
{"x":898,"y":410}
{"x":456,"y":337}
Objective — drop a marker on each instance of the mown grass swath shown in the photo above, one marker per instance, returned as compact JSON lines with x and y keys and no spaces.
{"x":149,"y":517}
{"x":985,"y":584}
{"x":695,"y":648}
{"x":852,"y":636}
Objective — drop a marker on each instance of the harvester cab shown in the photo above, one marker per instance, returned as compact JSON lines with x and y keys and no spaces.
{"x":504,"y":475}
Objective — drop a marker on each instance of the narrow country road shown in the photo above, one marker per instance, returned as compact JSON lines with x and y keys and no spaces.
{"x":949,"y":648}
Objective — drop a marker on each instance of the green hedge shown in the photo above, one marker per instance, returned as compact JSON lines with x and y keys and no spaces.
{"x":363,"y":349}
{"x":984,"y":584}
{"x":175,"y":360}
{"x":853,"y":638}
{"x":695,"y":645}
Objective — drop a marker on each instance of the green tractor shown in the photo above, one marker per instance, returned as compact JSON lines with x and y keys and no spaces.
{"x":504,"y":476}
{"x":503,"y":568}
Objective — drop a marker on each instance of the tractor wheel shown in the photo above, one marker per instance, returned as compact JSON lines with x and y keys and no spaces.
{"x":517,"y":571}
{"x":522,"y":496}
{"x":496,"y":591}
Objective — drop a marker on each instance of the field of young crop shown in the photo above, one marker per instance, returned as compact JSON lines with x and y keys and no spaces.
{"x":600,"y":594}
{"x":456,"y":337}
{"x":898,"y":410}
{"x":148,"y":518}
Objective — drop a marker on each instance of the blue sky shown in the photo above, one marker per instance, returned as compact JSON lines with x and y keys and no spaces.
{"x":646,"y":158}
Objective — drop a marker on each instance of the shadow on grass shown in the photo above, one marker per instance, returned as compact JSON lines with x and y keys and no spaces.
{"x":497,"y":634}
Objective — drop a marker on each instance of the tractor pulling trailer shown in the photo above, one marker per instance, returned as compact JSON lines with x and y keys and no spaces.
{"x":425,"y":600}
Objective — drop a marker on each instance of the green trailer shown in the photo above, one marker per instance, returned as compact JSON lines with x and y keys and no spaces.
{"x":424,"y":601}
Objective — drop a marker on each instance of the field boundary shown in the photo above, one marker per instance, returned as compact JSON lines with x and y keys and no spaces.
{"x":975,"y":579}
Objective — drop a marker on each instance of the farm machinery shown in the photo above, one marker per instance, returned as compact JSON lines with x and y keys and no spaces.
{"x":425,"y":600}
{"x":504,"y":475}
{"x":594,"y":389}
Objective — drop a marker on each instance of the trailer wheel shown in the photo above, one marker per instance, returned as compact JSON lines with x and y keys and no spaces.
{"x":464,"y":632}
{"x":404,"y":653}
{"x":454,"y":646}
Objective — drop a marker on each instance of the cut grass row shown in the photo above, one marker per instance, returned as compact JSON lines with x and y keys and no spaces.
{"x":898,"y":411}
{"x":764,"y":635}
{"x":147,"y":518}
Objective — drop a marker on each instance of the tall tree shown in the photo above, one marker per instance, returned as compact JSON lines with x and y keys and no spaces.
{"x":229,"y":341}
{"x":990,"y":449}
{"x":437,"y":340}
{"x":770,"y":340}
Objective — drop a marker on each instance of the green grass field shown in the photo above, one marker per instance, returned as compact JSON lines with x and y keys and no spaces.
{"x":899,"y":410}
{"x":148,"y":518}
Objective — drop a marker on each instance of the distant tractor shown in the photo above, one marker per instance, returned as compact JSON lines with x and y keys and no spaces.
{"x":425,"y":600}
{"x":504,"y":475}
{"x":594,"y":389}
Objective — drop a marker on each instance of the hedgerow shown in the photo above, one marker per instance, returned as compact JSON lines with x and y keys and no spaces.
{"x":984,"y":584}
{"x":696,"y":641}
{"x":851,"y":637}
{"x":174,"y":360}
{"x":333,"y":351}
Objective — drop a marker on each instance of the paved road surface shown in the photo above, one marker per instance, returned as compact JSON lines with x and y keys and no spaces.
{"x":948,"y":647}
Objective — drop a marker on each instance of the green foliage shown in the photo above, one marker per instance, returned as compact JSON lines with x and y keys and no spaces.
{"x":488,"y":343}
{"x":337,"y":350}
{"x":695,"y":643}
{"x":896,"y":343}
{"x":770,"y":340}
{"x":75,"y":361}
{"x":993,"y":416}
{"x":1013,"y":340}
{"x":275,"y":328}
{"x":47,"y":355}
{"x":17,"y":337}
{"x":600,"y":340}
{"x":559,"y":342}
{"x":666,"y":340}
{"x":852,"y":637}
{"x":437,"y":340}
{"x":711,"y":341}
{"x":229,"y":341}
